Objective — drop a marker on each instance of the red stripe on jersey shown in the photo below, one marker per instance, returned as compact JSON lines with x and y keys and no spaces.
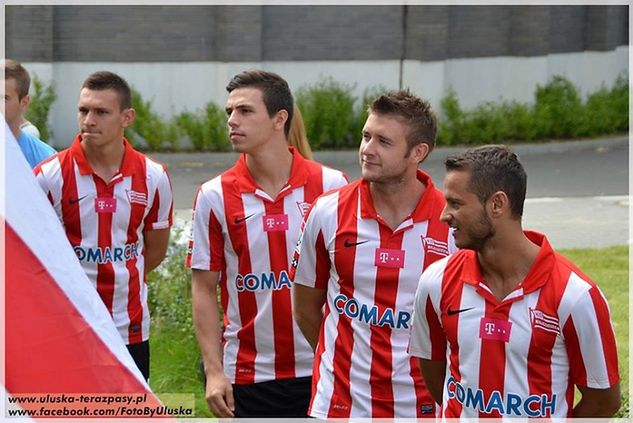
{"x":105,"y":272}
{"x":385,"y":292}
{"x":436,"y":333}
{"x":281,"y":300}
{"x":322,"y":263}
{"x":134,"y":303}
{"x":344,"y":259}
{"x":320,"y":349}
{"x":539,"y":358}
{"x":152,"y":215}
{"x":578,"y":372}
{"x":247,"y":351}
{"x":70,"y":204}
{"x":606,"y":334}
{"x":490,"y":379}
{"x":452,"y":298}
{"x":311,"y":190}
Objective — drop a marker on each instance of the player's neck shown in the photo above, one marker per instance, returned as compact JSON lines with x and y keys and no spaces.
{"x":394,"y":202}
{"x":270,"y":167}
{"x":506,"y":260}
{"x":15,"y":129}
{"x":105,"y":160}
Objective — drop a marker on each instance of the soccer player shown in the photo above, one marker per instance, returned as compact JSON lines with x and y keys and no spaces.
{"x":115,"y":204}
{"x":507,"y":327}
{"x":361,"y":254}
{"x":245,"y":227}
{"x":16,"y":99}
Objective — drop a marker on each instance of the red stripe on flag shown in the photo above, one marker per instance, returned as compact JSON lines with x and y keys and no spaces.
{"x":50,"y":347}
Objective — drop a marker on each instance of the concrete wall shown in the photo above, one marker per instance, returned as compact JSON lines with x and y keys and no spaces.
{"x":182,"y":56}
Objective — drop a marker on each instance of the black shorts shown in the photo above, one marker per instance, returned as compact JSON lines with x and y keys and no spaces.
{"x":140,"y":354}
{"x":275,"y":398}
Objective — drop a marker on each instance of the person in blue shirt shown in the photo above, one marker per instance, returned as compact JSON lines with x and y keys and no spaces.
{"x":16,"y":99}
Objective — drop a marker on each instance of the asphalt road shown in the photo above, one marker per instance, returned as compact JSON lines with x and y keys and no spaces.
{"x":577,"y":190}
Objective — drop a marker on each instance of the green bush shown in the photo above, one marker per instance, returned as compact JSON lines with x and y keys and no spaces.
{"x":558,"y":112}
{"x":450,"y":128}
{"x":360,"y":113}
{"x":169,"y":290}
{"x":41,"y":101}
{"x":328,"y":112}
{"x":206,"y":129}
{"x":150,"y":126}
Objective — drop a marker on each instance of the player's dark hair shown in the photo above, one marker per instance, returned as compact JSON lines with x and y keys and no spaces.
{"x":416,"y":112}
{"x":104,"y":80}
{"x":274,"y":88}
{"x":14,"y":70}
{"x":492,"y":168}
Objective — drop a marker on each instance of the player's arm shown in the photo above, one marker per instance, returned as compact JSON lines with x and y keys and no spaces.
{"x":433,"y":372}
{"x":204,"y":301}
{"x":593,"y":360}
{"x":598,"y":402}
{"x":156,"y":243}
{"x":308,"y":311}
{"x":428,"y":340}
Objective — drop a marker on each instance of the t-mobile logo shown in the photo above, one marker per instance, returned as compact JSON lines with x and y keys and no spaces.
{"x":275,"y":222}
{"x":494,"y":329}
{"x":386,"y":257}
{"x":105,"y":205}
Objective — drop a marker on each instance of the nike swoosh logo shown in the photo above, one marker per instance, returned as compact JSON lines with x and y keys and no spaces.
{"x":239,"y":220}
{"x":348,"y":243}
{"x":76,"y":200}
{"x":451,"y":312}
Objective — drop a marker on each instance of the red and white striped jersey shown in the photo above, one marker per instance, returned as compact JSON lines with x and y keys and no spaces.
{"x":521,"y":356}
{"x":239,"y":231}
{"x":105,"y":222}
{"x":370,"y":272}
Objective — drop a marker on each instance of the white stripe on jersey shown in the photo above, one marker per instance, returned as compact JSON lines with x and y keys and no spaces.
{"x":74,"y":203}
{"x":224,"y":196}
{"x":355,"y":281}
{"x":539,"y":310}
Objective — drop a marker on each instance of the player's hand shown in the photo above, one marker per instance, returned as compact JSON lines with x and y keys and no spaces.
{"x":219,"y":395}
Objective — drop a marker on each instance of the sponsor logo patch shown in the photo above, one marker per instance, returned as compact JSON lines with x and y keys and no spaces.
{"x":275,"y":222}
{"x":136,"y":197}
{"x":494,"y":329}
{"x":386,"y":257}
{"x":303,"y":207}
{"x":432,"y":245}
{"x":544,"y":321}
{"x":105,"y":205}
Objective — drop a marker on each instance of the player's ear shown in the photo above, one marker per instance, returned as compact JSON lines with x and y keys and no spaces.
{"x":280,"y":118}
{"x":499,"y":203}
{"x":127,"y":117}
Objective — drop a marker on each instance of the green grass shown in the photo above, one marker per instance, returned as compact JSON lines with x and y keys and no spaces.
{"x":175,"y":354}
{"x":609,"y":268}
{"x":174,"y":365}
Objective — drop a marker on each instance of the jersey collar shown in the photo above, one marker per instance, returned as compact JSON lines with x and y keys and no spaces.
{"x":538,"y":275}
{"x":298,"y":175}
{"x":423,"y":211}
{"x":127,"y":166}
